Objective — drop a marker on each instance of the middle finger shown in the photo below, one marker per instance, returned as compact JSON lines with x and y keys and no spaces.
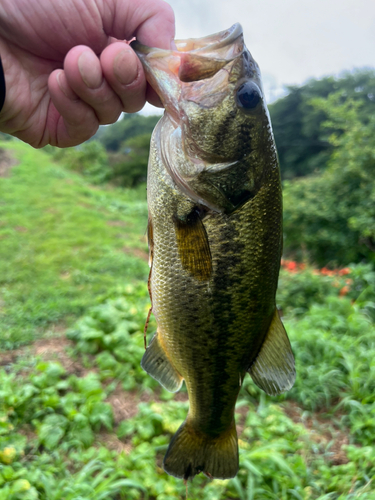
{"x":84,"y":75}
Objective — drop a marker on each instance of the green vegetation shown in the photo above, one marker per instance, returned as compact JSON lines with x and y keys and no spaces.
{"x":64,"y":244}
{"x":55,"y":424}
{"x":130,"y":166}
{"x":329,"y":217}
{"x":115,"y":136}
{"x":302,"y":142}
{"x":122,"y":163}
{"x":301,"y":287}
{"x":80,"y":420}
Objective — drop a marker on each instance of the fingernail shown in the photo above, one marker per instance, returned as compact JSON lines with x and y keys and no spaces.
{"x":64,"y":87}
{"x":173,"y":44}
{"x":89,"y":67}
{"x":125,"y":66}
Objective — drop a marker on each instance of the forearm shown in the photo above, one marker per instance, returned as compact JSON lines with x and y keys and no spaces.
{"x":2,"y":86}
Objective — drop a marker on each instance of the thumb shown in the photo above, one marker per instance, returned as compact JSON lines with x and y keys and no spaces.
{"x":151,"y":21}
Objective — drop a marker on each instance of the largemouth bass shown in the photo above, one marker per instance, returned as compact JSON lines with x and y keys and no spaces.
{"x":215,"y":238}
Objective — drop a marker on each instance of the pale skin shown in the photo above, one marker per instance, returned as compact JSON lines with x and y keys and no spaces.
{"x":68,"y":68}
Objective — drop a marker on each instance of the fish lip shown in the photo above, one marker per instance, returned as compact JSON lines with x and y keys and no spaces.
{"x":212,"y":42}
{"x":208,"y":43}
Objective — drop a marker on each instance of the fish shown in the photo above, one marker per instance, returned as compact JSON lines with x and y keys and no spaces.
{"x":215,"y":242}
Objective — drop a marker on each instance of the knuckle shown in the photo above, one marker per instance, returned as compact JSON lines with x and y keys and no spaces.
{"x":111,"y":118}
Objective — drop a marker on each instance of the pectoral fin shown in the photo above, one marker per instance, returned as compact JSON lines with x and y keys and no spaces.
{"x":193,"y":246}
{"x":273,"y":369}
{"x":157,"y":364}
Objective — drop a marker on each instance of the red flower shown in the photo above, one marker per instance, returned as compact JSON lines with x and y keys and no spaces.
{"x":345,"y":270}
{"x":327,"y":272}
{"x":344,"y":290}
{"x":292,"y":266}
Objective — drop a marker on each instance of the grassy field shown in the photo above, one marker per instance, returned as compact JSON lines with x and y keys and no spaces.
{"x":64,"y":245}
{"x":80,"y":420}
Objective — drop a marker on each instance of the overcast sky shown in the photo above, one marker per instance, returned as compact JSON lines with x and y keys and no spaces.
{"x":292,"y":40}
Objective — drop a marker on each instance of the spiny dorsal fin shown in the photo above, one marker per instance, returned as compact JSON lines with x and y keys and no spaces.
{"x":193,"y":247}
{"x":157,"y":364}
{"x":273,"y":369}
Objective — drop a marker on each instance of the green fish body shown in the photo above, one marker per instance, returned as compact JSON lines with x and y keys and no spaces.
{"x":215,"y":239}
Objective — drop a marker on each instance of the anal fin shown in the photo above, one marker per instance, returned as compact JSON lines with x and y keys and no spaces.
{"x":273,"y":369}
{"x":157,"y":364}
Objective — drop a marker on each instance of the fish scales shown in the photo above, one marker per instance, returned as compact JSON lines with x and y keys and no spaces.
{"x":214,"y":318}
{"x":215,"y":210}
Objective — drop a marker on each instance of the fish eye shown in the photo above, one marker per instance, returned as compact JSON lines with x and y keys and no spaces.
{"x":248,"y":95}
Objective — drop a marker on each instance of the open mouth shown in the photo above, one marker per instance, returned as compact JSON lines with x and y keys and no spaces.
{"x":195,"y":58}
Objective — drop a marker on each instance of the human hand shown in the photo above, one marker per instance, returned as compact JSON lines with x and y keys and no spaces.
{"x":68,"y":69}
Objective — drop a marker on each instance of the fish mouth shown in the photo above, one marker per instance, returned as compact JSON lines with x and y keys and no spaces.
{"x":195,"y":59}
{"x":206,"y":51}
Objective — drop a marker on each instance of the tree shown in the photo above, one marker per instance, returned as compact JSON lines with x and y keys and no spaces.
{"x":129,"y":167}
{"x":331,"y":217}
{"x":131,"y":125}
{"x":302,"y":142}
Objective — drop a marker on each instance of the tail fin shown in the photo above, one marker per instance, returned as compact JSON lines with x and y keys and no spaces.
{"x":190,"y":453}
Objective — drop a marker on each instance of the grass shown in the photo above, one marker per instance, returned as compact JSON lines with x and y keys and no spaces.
{"x":83,"y":421}
{"x":64,"y":244}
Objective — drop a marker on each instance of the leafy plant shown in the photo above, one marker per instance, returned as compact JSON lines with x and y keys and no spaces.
{"x":329,"y":217}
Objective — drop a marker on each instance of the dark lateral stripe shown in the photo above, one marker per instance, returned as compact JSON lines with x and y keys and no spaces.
{"x":2,"y":86}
